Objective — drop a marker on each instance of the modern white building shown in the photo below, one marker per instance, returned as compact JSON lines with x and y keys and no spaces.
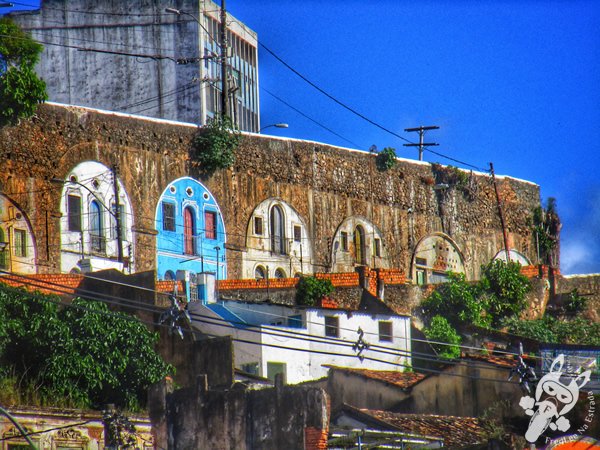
{"x":298,"y":341}
{"x":142,"y":57}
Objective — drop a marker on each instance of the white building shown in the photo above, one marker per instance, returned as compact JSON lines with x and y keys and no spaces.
{"x":298,"y":341}
{"x":88,"y":227}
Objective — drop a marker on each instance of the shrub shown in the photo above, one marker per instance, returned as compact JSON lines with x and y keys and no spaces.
{"x":214,"y":145}
{"x":440,"y":330}
{"x":386,"y":159}
{"x":311,"y":290}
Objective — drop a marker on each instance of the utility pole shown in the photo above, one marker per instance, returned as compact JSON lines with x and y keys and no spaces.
{"x":500,"y":213}
{"x":421,"y":130}
{"x":224,"y":81}
{"x":117,"y":212}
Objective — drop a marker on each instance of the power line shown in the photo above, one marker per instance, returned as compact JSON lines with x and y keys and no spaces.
{"x":309,"y":118}
{"x":355,"y":112}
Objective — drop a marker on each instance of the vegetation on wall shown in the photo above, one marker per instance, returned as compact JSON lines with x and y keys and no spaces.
{"x":82,"y":355}
{"x":497,"y":301}
{"x":546,"y":228}
{"x":386,"y":159}
{"x":214,"y":145}
{"x":500,"y":293}
{"x":21,"y":90}
{"x":311,"y":290}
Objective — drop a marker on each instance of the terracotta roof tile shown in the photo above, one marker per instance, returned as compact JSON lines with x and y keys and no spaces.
{"x":403,"y":380}
{"x":453,"y":430}
{"x":502,"y":361}
{"x":168,"y":285}
{"x":58,"y":284}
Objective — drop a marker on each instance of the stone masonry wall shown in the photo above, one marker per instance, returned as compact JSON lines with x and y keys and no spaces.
{"x":324,"y":184}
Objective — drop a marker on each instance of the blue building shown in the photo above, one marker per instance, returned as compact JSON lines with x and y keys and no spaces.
{"x":191,"y":233}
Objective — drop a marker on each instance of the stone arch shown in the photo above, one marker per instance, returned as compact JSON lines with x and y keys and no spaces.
{"x":435,"y":255}
{"x":353,"y":232}
{"x":89,"y":235}
{"x":287,"y":246}
{"x":19,"y":254}
{"x":191,"y":230}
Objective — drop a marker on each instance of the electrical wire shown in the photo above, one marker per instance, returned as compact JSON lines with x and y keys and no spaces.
{"x":308,"y":117}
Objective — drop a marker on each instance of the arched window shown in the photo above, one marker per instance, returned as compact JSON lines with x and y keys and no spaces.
{"x":3,"y":251}
{"x":259,"y":273}
{"x":359,"y":246}
{"x":280,"y":273}
{"x":277,"y":230}
{"x":96,"y":227}
{"x":169,"y":275}
{"x":189,"y":230}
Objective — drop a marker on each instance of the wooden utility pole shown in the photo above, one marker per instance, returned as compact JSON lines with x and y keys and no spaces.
{"x":500,"y":213}
{"x":224,"y":81}
{"x":421,"y":130}
{"x":117,"y":212}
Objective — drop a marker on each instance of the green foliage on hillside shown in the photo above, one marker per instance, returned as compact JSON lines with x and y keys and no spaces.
{"x":440,"y":330}
{"x":82,"y":355}
{"x":498,"y":299}
{"x":21,"y":90}
{"x":311,"y":290}
{"x":213,"y":148}
{"x":554,"y":331}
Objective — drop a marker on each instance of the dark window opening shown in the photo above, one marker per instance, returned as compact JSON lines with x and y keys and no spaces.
{"x":74,"y":212}
{"x":332,"y":326}
{"x":385,"y":331}
{"x":168,"y":213}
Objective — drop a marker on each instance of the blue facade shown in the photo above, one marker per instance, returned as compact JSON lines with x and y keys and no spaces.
{"x":191,"y":232}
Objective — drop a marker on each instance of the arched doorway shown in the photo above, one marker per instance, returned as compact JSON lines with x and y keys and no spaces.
{"x":359,"y":246}
{"x":277,"y":230}
{"x":189,"y":225}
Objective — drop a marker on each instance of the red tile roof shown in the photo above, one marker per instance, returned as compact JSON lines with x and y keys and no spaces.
{"x":453,"y":430}
{"x":403,"y":380}
{"x":502,"y":361}
{"x":169,"y":285}
{"x":58,"y":284}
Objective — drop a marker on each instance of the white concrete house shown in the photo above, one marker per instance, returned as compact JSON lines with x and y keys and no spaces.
{"x":298,"y":342}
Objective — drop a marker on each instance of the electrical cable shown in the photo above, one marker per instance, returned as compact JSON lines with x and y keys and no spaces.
{"x":308,"y":117}
{"x":253,"y":342}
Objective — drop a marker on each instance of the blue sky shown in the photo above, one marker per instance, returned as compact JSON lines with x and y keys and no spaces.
{"x":516,"y":83}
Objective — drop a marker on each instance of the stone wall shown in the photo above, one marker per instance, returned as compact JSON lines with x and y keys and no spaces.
{"x":587,"y":286}
{"x":323,"y":184}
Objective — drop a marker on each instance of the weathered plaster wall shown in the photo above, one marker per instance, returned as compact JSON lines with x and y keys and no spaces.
{"x":323,"y":184}
{"x":274,"y":418}
{"x":464,"y":389}
{"x":360,"y":392}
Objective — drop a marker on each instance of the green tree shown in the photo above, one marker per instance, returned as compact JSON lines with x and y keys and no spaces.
{"x":83,"y":353}
{"x":21,"y":90}
{"x":500,"y":293}
{"x":213,"y":148}
{"x":458,"y":301}
{"x":440,"y":330}
{"x":311,"y":290}
{"x":503,"y":290}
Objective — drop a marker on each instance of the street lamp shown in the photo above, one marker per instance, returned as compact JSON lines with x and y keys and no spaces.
{"x":116,"y":214}
{"x":276,"y":125}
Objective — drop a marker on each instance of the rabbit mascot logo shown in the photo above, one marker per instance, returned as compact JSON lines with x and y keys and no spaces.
{"x":553,"y":399}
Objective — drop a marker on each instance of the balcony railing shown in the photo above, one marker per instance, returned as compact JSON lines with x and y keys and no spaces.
{"x":98,"y":243}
